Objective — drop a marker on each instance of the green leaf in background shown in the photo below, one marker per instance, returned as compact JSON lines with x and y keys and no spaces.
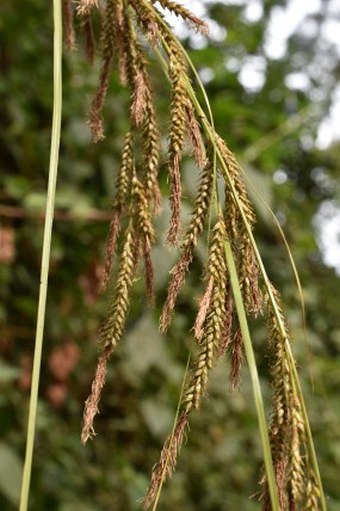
{"x":8,"y":373}
{"x":10,"y":473}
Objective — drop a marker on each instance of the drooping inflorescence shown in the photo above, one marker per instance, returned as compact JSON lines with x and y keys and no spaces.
{"x":130,"y":31}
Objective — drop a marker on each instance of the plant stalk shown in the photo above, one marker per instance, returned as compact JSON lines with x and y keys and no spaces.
{"x":45,"y":261}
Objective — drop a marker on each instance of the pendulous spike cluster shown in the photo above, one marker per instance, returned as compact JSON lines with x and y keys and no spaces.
{"x":108,"y":39}
{"x":123,"y":185}
{"x":208,"y":338}
{"x":151,"y":150}
{"x":168,"y":459}
{"x":112,"y":329}
{"x":191,"y":237}
{"x":214,"y":311}
{"x":128,"y":26}
{"x":242,"y":247}
{"x":177,"y":134}
{"x":287,"y":427}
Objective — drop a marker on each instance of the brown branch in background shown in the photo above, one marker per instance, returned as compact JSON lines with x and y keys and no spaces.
{"x":68,"y":22}
{"x":94,"y":215}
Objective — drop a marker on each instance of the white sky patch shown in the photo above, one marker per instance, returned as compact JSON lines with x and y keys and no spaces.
{"x":253,"y":11}
{"x":327,"y":225}
{"x":329,"y":129}
{"x":334,"y":6}
{"x":284,"y":22}
{"x":233,"y":64}
{"x":253,"y":73}
{"x":183,"y":30}
{"x":206,"y":74}
{"x":280,"y":176}
{"x":297,"y":81}
{"x":331,"y":31}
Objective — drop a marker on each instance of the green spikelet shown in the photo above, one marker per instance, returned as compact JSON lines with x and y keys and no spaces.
{"x":113,"y":327}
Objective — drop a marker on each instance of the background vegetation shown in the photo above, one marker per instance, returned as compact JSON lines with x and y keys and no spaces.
{"x":255,"y":99}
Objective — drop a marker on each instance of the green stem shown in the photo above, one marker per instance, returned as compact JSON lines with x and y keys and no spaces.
{"x":52,"y":180}
{"x":158,"y":496}
{"x":251,"y":361}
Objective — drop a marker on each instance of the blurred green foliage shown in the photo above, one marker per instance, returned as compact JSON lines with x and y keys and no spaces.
{"x":219,"y":467}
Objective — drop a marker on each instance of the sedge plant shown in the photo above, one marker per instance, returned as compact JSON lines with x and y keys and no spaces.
{"x":236,"y":285}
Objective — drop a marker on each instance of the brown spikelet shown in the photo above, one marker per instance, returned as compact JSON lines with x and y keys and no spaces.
{"x":85,"y":6}
{"x":90,"y":45}
{"x":175,"y":200}
{"x":168,"y":459}
{"x":213,"y":324}
{"x":312,"y":493}
{"x":142,"y":212}
{"x":196,"y":137}
{"x":247,"y":266}
{"x":249,"y":278}
{"x":70,"y":35}
{"x":147,"y":18}
{"x":226,"y":335}
{"x":177,"y":280}
{"x":184,"y":13}
{"x":122,"y":193}
{"x":138,"y":99}
{"x":202,"y":207}
{"x":297,"y":463}
{"x":149,"y":271}
{"x":192,"y":233}
{"x":125,"y":174}
{"x":204,"y":363}
{"x":108,"y":37}
{"x":134,"y":70}
{"x":91,"y":404}
{"x":235,"y":174}
{"x":279,"y":428}
{"x":112,"y":329}
{"x":128,"y":47}
{"x":110,"y":250}
{"x":203,"y":309}
{"x":178,"y":129}
{"x":151,"y":149}
{"x":237,"y":359}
